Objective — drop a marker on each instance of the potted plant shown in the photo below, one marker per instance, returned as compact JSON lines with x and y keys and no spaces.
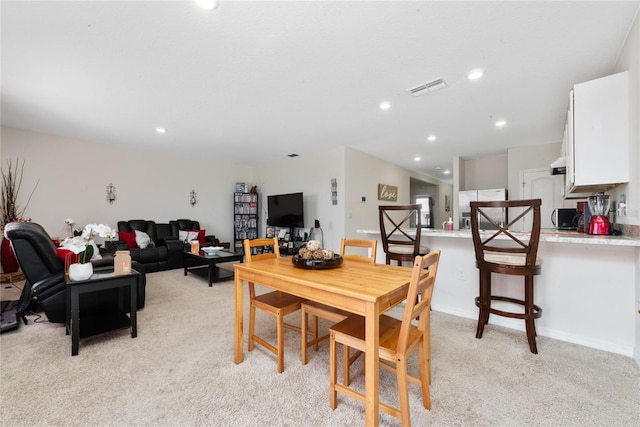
{"x":10,"y":211}
{"x":84,"y":247}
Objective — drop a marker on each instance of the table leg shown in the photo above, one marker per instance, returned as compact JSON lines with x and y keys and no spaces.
{"x":372,"y":364}
{"x":133,"y":309}
{"x":75,"y":320}
{"x":239,"y":356}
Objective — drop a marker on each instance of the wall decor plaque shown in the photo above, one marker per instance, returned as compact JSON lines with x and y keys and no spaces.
{"x":387,"y":192}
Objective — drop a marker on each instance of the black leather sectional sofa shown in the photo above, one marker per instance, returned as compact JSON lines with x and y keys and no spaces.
{"x":166,"y":251}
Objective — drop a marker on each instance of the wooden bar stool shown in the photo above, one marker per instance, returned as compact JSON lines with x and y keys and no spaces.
{"x":397,"y":244}
{"x":504,"y":251}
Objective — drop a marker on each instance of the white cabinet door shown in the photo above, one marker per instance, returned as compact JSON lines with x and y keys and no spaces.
{"x":599,"y":156}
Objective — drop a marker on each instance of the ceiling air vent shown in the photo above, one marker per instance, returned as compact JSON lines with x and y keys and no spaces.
{"x":430,"y":86}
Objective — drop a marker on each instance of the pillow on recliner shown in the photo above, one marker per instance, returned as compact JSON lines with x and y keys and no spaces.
{"x":129,"y":238}
{"x":187,"y":236}
{"x":143,"y":240}
{"x":201,"y":234}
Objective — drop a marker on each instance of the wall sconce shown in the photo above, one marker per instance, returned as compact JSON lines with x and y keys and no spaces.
{"x":192,"y":198}
{"x":111,"y":193}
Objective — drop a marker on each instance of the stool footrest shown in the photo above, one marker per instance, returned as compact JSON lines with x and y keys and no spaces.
{"x":537,"y":311}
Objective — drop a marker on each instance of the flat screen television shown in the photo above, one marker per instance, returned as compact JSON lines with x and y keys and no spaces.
{"x":285,"y":210}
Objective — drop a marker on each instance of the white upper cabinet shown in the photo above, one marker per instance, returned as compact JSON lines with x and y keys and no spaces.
{"x":597,"y":135}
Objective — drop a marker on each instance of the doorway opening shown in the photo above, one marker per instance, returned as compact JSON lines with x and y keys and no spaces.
{"x":425,"y":194}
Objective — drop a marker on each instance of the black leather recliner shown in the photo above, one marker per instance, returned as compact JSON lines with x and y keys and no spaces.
{"x":45,"y":276}
{"x":188,"y":224}
{"x":166,"y":254}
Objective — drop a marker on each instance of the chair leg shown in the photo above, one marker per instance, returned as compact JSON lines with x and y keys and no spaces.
{"x":315,"y":332}
{"x":252,"y":325}
{"x":303,"y":337}
{"x":425,"y":371}
{"x":333,"y":371}
{"x":528,"y":309}
{"x":426,"y":345}
{"x":403,"y":391}
{"x":346,"y":370}
{"x":484,"y":301}
{"x":280,"y":337}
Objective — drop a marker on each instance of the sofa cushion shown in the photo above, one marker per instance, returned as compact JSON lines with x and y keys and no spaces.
{"x":143,"y":240}
{"x":187,"y":236}
{"x":201,"y":234}
{"x":64,"y":253}
{"x":129,"y":238}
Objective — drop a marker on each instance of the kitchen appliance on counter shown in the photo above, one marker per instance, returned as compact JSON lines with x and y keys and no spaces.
{"x":599,"y":210}
{"x":464,"y":206}
{"x":566,"y":218}
{"x":585,"y":216}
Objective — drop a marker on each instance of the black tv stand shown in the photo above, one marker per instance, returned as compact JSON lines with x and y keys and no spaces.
{"x":291,"y":246}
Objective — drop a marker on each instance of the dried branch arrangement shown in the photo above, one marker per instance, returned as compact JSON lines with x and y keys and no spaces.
{"x":11,"y":184}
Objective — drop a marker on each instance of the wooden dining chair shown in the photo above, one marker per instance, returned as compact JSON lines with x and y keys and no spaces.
{"x":398,"y":339}
{"x":332,"y":314}
{"x":276,"y":303}
{"x":397,"y":243}
{"x":504,"y":251}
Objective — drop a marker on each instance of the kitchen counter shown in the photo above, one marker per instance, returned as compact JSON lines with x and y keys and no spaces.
{"x":589,"y":287}
{"x":552,"y":236}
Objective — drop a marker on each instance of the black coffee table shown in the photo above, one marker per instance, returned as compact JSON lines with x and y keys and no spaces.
{"x":204,"y":264}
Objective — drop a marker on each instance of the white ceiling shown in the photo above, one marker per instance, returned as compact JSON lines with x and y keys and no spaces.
{"x":253,"y":81}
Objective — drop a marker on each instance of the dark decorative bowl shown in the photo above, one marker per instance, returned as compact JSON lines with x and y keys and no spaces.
{"x":316,"y":264}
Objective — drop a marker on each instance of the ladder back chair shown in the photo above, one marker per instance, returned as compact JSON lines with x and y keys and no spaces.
{"x":276,"y":303}
{"x":335,"y":315}
{"x":397,"y":243}
{"x":398,"y":340}
{"x":504,"y":251}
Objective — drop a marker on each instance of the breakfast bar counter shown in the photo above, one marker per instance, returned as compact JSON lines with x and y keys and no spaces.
{"x":589,"y":288}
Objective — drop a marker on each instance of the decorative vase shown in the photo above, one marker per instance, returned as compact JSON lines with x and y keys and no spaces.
{"x":7,"y":257}
{"x":80,"y":271}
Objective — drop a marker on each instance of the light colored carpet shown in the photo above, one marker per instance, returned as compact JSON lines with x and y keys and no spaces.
{"x":180,"y":371}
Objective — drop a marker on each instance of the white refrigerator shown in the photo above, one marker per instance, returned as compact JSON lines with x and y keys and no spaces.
{"x":464,"y":205}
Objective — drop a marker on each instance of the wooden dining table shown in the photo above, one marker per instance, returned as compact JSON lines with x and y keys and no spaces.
{"x":357,"y":287}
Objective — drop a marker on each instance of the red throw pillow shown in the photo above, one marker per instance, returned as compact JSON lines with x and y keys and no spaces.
{"x":200,"y":235}
{"x":63,"y":253}
{"x":129,"y":238}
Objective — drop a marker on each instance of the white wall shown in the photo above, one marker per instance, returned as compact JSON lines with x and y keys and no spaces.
{"x":363,"y":174}
{"x":484,"y":173}
{"x":74,"y":175}
{"x":312,"y":176}
{"x":629,"y":60}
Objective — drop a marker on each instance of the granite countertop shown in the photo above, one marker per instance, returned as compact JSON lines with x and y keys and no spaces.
{"x":552,"y":236}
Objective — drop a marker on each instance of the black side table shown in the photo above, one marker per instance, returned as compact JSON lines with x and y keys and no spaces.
{"x":94,"y":324}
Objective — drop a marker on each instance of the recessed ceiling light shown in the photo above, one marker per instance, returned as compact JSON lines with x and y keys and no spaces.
{"x":417,"y":158}
{"x":500,"y":123}
{"x":447,"y":172}
{"x":385,"y":105}
{"x":207,"y":4}
{"x":431,"y":138}
{"x":161,"y":130}
{"x":437,"y":168}
{"x":475,"y":74}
